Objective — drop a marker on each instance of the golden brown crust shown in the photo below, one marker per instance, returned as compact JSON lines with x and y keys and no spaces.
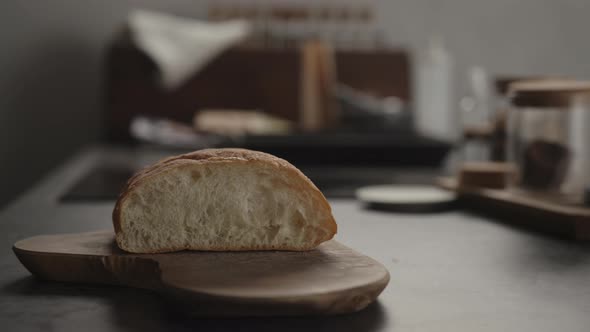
{"x":214,"y":156}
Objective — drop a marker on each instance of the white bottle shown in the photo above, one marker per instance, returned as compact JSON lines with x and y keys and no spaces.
{"x":436,"y":113}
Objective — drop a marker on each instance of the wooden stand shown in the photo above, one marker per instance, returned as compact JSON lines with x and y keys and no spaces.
{"x":569,"y":221}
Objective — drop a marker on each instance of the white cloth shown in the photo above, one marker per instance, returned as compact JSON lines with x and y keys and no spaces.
{"x":182,"y":46}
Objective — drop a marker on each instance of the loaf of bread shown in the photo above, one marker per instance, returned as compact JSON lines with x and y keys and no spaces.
{"x":221,"y":199}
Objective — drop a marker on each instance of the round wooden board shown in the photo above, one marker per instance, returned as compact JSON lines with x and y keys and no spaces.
{"x":331,"y":279}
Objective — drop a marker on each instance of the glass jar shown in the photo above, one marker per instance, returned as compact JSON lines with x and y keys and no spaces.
{"x":548,"y":138}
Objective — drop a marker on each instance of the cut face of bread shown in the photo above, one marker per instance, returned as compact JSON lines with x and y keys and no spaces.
{"x":221,"y":199}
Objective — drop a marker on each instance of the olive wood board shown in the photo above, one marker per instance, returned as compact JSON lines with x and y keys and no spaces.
{"x":526,"y":210}
{"x":331,"y":279}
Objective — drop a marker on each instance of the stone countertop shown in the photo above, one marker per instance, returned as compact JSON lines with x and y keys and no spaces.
{"x":450,"y":271}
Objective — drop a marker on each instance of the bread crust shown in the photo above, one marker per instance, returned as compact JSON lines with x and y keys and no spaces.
{"x":212,"y":156}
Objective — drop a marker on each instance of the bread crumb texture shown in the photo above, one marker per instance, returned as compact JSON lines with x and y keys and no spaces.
{"x":221,"y":199}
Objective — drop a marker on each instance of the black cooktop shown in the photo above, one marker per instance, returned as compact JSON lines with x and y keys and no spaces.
{"x":337,"y":162}
{"x":104,"y":183}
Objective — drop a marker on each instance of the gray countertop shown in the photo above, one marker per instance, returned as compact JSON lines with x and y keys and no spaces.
{"x":450,"y":271}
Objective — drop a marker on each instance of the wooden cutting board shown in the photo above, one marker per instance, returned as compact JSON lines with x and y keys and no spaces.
{"x":332,"y":279}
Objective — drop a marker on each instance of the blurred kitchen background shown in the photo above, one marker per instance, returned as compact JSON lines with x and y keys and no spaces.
{"x":326,"y":81}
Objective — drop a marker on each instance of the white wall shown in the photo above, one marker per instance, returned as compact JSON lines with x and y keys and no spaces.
{"x":504,"y":36}
{"x":50,"y":62}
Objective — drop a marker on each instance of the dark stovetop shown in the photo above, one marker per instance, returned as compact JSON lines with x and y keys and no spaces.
{"x":105,"y":182}
{"x":337,"y":162}
{"x":392,"y":149}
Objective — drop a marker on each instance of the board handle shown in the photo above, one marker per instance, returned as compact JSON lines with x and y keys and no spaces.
{"x":142,"y":272}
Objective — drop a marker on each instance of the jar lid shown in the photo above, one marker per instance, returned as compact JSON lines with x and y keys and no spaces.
{"x":502,"y":83}
{"x":547,"y":92}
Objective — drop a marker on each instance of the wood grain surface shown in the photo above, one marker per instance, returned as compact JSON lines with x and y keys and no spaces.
{"x":332,"y":279}
{"x":526,"y":210}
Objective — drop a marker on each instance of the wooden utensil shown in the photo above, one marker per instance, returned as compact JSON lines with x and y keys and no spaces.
{"x":332,"y":279}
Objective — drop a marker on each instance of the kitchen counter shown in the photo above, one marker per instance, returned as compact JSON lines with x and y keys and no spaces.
{"x":450,"y":271}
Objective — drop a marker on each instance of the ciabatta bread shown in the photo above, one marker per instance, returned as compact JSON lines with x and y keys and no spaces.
{"x":221,"y":199}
